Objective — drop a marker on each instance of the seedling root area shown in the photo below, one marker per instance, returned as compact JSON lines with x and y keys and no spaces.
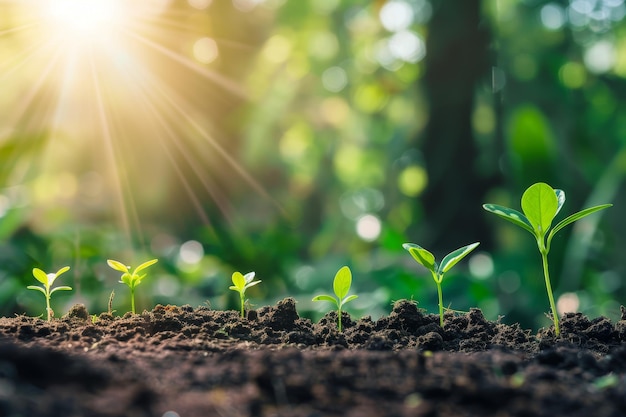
{"x":196,"y":362}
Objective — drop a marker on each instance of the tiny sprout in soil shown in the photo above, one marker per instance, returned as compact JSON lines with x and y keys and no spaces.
{"x":427,"y":259}
{"x":241,"y":284}
{"x":131,"y":279}
{"x":540,"y":204}
{"x":341,"y":287}
{"x":47,"y":280}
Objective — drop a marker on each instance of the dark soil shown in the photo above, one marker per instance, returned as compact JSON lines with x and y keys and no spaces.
{"x":180,"y":361}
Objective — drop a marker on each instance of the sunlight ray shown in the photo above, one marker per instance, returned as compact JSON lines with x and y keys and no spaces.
{"x":218,"y":79}
{"x":110,"y":154}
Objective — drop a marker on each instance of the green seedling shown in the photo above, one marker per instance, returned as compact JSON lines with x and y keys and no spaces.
{"x":47,"y":280}
{"x":241,"y":284}
{"x":427,"y":260}
{"x":341,"y":287}
{"x":540,"y":204}
{"x":131,"y":279}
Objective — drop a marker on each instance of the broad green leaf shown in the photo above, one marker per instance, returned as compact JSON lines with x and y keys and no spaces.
{"x":62,"y":288}
{"x":421,"y":256}
{"x":145,"y":265}
{"x":34,"y":287}
{"x":511,"y":215}
{"x":41,"y":276}
{"x":452,"y":258}
{"x":118,"y":266}
{"x":252,"y":284}
{"x":62,"y":271}
{"x":577,"y":216}
{"x":342,"y":282}
{"x":249,"y":276}
{"x":239,"y":280}
{"x":540,"y":204}
{"x":560,"y":197}
{"x":325,"y":298}
{"x":348,"y":299}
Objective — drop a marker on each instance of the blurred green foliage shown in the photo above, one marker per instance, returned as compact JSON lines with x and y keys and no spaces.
{"x":300,"y":136}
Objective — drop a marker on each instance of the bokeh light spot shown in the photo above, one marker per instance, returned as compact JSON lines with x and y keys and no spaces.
{"x":277,"y":49}
{"x":205,"y":50}
{"x":334,"y":79}
{"x":567,"y":303}
{"x":600,"y":57}
{"x":413,"y":180}
{"x":191,"y":252}
{"x":200,"y":4}
{"x":396,"y":15}
{"x":481,"y":265}
{"x":368,"y":227}
{"x":552,"y":16}
{"x":573,"y":75}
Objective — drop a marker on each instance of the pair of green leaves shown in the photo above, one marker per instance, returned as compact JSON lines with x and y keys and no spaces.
{"x":341,"y":288}
{"x":48,"y":280}
{"x":240,"y":284}
{"x":131,"y":279}
{"x":427,"y":260}
{"x":540,"y":204}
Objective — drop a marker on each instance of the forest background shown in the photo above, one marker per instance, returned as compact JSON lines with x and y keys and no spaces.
{"x":292,"y":137}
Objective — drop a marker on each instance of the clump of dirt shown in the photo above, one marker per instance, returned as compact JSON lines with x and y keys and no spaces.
{"x":200,"y":362}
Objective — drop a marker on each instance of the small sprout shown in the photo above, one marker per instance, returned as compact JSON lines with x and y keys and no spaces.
{"x":241,"y":284}
{"x":540,"y":204}
{"x":427,"y":259}
{"x":130,"y":279}
{"x":341,"y":287}
{"x":47,"y":280}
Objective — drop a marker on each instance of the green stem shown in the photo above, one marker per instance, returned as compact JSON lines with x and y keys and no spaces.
{"x":48,"y":309}
{"x":440,"y":302}
{"x":546,"y":274}
{"x":339,"y":319}
{"x":132,"y":300}
{"x":242,"y":305}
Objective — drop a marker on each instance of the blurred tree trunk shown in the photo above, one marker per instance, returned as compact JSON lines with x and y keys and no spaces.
{"x":457,"y":61}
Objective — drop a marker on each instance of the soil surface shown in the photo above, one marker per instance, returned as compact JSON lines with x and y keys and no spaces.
{"x":186,"y":362}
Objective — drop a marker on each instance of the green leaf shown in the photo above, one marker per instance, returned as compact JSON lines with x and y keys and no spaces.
{"x":62,"y":271}
{"x":511,"y":215}
{"x":252,"y":284}
{"x":348,"y":299}
{"x":342,"y":282}
{"x":34,"y":287}
{"x":421,"y":256}
{"x":118,"y":266}
{"x":326,"y":298}
{"x":61,"y":288}
{"x":41,"y":276}
{"x":576,"y":216}
{"x":239,"y":280}
{"x":560,"y":197}
{"x":249,"y":277}
{"x":145,"y":265}
{"x":540,"y":204}
{"x":452,"y":258}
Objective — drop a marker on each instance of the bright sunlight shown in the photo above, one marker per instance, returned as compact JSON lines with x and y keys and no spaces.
{"x":116,"y":101}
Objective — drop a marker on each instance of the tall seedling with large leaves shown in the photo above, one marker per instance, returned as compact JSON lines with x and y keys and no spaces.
{"x":540,"y":204}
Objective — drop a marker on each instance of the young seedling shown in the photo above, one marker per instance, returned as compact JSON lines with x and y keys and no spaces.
{"x":341,"y":287}
{"x":241,"y":284}
{"x":427,"y":260}
{"x":131,"y":279}
{"x":540,"y":204}
{"x":47,"y":280}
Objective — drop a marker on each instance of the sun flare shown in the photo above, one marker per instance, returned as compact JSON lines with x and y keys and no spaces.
{"x":120,"y":93}
{"x":80,"y":18}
